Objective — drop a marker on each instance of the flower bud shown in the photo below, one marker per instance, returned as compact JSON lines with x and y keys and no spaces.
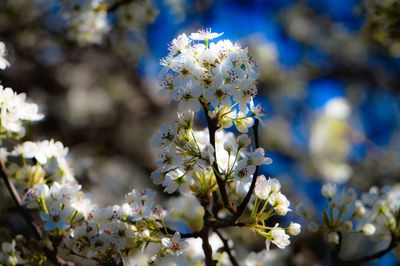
{"x":333,"y":238}
{"x":348,"y":226}
{"x":328,"y":190}
{"x":294,"y":229}
{"x":243,"y":141}
{"x":369,"y":229}
{"x":185,"y":119}
{"x":359,"y":209}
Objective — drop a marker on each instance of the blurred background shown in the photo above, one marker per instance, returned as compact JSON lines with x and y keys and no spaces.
{"x":329,"y":80}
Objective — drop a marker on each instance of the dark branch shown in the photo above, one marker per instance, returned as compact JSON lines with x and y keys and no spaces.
{"x":118,"y":4}
{"x":227,"y":249}
{"x":50,"y":254}
{"x":393,"y":244}
{"x":17,"y":199}
{"x":212,"y":128}
{"x":242,"y":206}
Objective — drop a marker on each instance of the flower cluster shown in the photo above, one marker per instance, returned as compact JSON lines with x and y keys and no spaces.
{"x":215,"y":170}
{"x":198,"y":71}
{"x":269,"y":202}
{"x":15,"y":110}
{"x":87,"y":21}
{"x":186,"y":157}
{"x":220,"y":78}
{"x":9,"y":255}
{"x":374,"y":214}
{"x":41,"y":173}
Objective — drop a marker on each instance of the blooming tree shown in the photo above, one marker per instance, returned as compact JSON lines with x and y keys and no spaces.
{"x":217,"y":168}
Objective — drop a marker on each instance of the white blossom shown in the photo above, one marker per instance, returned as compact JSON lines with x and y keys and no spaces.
{"x":3,"y":62}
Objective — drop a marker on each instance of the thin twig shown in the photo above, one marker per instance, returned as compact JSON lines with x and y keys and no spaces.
{"x":212,"y":128}
{"x":393,"y":244}
{"x":50,"y":254}
{"x":242,"y":206}
{"x":118,"y":4}
{"x":204,"y":235}
{"x":227,"y":249}
{"x":17,"y":199}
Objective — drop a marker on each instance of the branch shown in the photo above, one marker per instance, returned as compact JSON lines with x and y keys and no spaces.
{"x":50,"y":254}
{"x":240,"y":209}
{"x":212,"y":128}
{"x":393,"y":243}
{"x":227,"y":249}
{"x":17,"y":199}
{"x":204,"y":235}
{"x":183,"y":235}
{"x":118,"y":4}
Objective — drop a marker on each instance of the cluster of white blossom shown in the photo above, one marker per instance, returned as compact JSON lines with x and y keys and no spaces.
{"x":193,"y":162}
{"x":197,"y":71}
{"x":9,"y":255}
{"x":270,"y":201}
{"x":87,"y":21}
{"x":186,"y":157}
{"x":375,"y":213}
{"x":15,"y":110}
{"x":217,"y":77}
{"x":41,"y":173}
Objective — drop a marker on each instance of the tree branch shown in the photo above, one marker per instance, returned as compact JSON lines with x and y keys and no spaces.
{"x":242,"y":206}
{"x":204,"y":235}
{"x":17,"y":200}
{"x":212,"y":128}
{"x":393,"y":244}
{"x":227,"y":248}
{"x":118,"y":4}
{"x":50,"y":254}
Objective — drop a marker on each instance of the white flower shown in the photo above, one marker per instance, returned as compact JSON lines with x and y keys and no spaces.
{"x":217,"y":73}
{"x":185,"y":119}
{"x":328,"y":190}
{"x":164,"y":136}
{"x":88,"y":24}
{"x":243,"y":170}
{"x":39,"y":191}
{"x":243,"y":123}
{"x":257,"y":157}
{"x":262,"y":188}
{"x":42,"y":151}
{"x":15,"y":110}
{"x":207,"y":156}
{"x":3,"y":62}
{"x":204,"y":35}
{"x":218,"y":95}
{"x":57,"y":217}
{"x":359,"y":209}
{"x":243,"y":185}
{"x":179,"y":44}
{"x":65,"y":193}
{"x":174,"y":245}
{"x":243,"y":141}
{"x":280,"y":203}
{"x":278,"y":237}
{"x":294,"y":229}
